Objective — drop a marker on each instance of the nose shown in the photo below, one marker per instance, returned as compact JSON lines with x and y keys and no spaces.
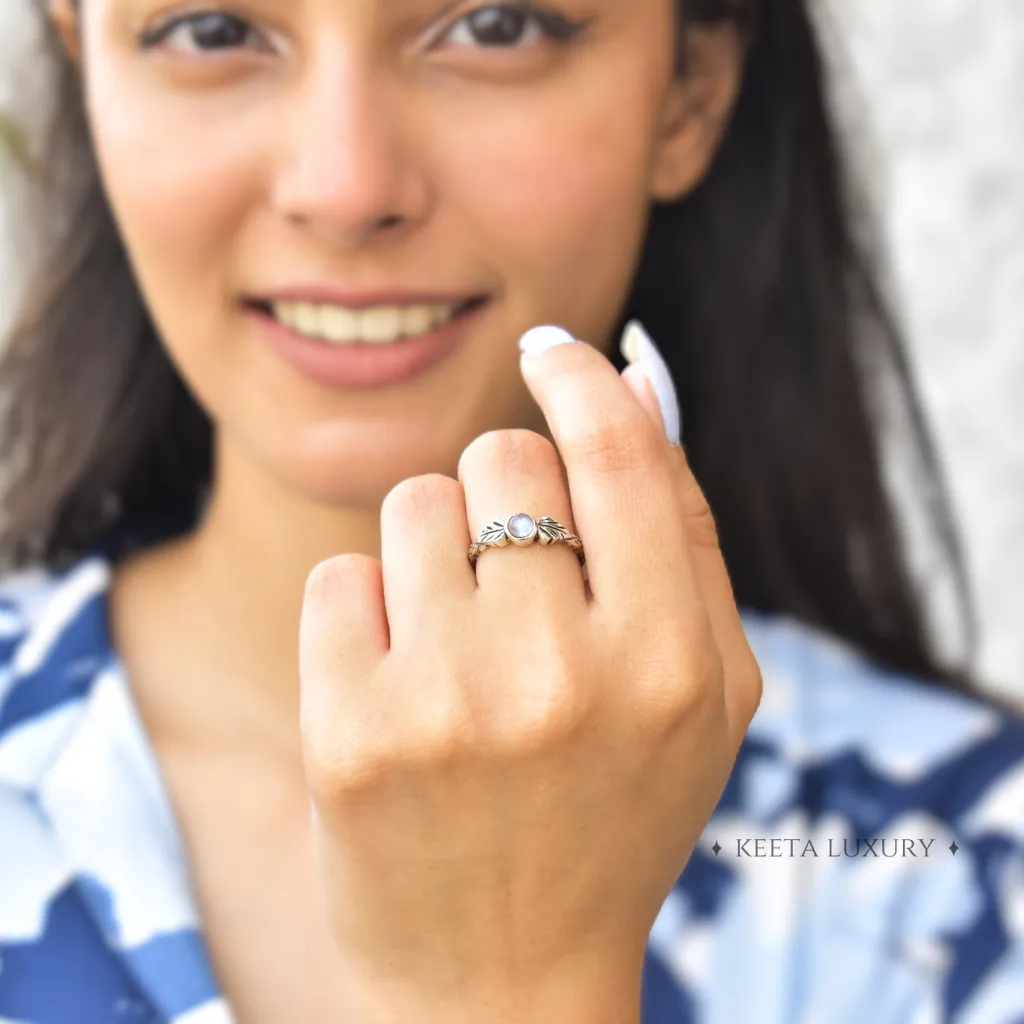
{"x":349,"y":172}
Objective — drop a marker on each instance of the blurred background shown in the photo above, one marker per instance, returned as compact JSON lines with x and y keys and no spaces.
{"x":932,"y":92}
{"x":932,"y":96}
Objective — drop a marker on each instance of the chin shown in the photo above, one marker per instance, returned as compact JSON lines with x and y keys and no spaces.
{"x":360,"y":472}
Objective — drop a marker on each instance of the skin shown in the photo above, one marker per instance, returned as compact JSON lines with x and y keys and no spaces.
{"x":339,"y":645}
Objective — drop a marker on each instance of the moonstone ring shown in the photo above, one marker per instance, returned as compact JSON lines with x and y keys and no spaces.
{"x":523,"y":530}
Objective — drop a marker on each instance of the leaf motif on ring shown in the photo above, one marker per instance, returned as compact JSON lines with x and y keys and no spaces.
{"x":493,"y":533}
{"x":550,"y":531}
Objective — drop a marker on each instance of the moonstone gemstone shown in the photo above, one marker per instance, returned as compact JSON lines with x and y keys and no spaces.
{"x":521,"y":526}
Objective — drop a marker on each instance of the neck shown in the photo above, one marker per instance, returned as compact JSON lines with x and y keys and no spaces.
{"x":238,"y":578}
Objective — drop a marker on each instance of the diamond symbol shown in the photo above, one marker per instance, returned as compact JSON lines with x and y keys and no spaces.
{"x":716,"y":848}
{"x":953,"y":847}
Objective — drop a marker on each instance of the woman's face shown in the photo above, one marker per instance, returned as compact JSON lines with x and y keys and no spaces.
{"x":363,"y":168}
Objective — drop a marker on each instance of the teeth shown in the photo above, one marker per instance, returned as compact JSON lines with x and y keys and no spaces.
{"x":307,"y":319}
{"x":330,"y":322}
{"x":418,"y":320}
{"x":380,"y":325}
{"x":383,"y":324}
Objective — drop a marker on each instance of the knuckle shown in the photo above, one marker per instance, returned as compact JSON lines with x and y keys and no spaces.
{"x":548,"y":717}
{"x":341,"y":779}
{"x":692,"y":682}
{"x":441,"y":739}
{"x":680,"y":701}
{"x":616,"y":443}
{"x":752,"y":688}
{"x":438,"y":726}
{"x":419,"y":495}
{"x":516,"y":451}
{"x":340,"y":765}
{"x":346,"y":762}
{"x":336,"y":575}
{"x":701,"y":525}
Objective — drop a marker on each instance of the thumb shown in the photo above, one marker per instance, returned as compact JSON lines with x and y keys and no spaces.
{"x":646,"y":361}
{"x":650,"y":380}
{"x":635,"y":378}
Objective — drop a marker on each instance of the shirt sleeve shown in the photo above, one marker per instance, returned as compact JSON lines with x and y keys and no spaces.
{"x":985,"y":980}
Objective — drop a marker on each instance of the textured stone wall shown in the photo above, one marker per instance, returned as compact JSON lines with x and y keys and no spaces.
{"x":932,"y":92}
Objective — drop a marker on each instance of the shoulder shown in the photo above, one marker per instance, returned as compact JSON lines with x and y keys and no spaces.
{"x":925,"y":788}
{"x":53,"y":640}
{"x":871,"y":746}
{"x":826,"y":704}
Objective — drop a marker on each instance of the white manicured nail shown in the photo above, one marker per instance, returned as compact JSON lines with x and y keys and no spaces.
{"x":541,"y":338}
{"x":637,"y":347}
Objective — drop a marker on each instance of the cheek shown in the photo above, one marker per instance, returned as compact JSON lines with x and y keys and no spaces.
{"x":179,"y":180}
{"x":557,"y":192}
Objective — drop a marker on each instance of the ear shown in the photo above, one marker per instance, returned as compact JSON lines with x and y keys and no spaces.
{"x":697,"y":109}
{"x":64,"y":15}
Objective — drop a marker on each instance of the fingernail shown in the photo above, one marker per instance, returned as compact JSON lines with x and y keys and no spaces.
{"x":539,"y":339}
{"x":637,"y":347}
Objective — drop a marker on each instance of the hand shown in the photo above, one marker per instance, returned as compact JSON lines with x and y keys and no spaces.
{"x":509,"y":773}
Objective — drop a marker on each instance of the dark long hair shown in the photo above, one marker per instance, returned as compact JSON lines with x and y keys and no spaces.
{"x":766,"y":308}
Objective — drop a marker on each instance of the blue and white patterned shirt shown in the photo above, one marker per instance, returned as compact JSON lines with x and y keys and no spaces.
{"x":865,"y":863}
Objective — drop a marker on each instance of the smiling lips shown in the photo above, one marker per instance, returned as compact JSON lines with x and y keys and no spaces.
{"x":372,"y":325}
{"x":375,"y":325}
{"x":363,"y":342}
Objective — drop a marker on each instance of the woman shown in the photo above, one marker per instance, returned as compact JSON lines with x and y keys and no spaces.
{"x":268,"y":394}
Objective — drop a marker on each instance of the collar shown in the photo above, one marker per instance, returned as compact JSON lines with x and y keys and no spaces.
{"x":72,"y":744}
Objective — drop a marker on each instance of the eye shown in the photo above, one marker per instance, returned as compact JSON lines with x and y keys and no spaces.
{"x":509,"y":25}
{"x":202,"y":32}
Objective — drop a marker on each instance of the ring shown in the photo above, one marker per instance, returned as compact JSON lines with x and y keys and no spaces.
{"x":523,"y":530}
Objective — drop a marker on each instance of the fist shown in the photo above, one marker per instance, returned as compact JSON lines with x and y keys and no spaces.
{"x":511,"y":765}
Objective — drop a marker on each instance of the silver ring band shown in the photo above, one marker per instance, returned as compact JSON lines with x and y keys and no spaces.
{"x":523,"y":530}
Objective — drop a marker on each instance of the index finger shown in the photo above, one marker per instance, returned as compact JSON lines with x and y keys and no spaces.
{"x":622,"y":485}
